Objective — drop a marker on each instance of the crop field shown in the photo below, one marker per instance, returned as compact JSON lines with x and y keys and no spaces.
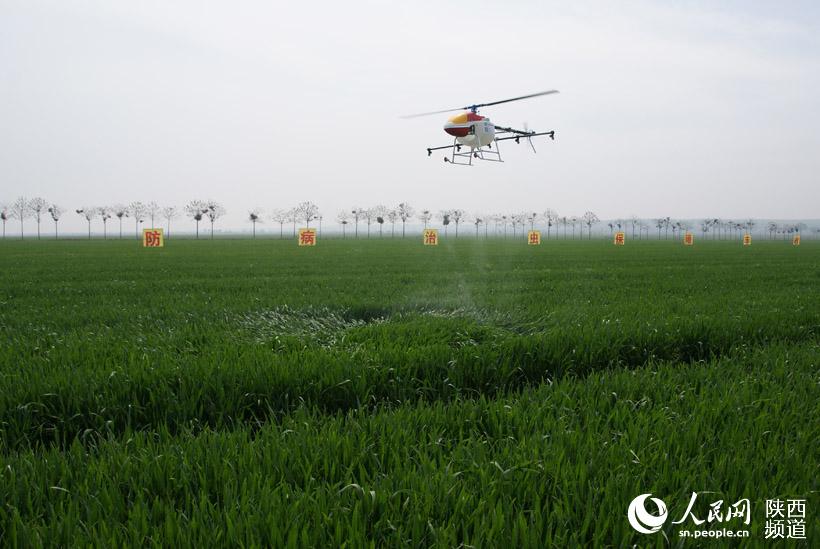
{"x":380,"y":393}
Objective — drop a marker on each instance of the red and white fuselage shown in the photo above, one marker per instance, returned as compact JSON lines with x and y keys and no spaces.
{"x":471,"y":129}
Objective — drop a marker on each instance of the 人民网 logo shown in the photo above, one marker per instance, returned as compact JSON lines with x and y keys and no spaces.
{"x":641,"y":520}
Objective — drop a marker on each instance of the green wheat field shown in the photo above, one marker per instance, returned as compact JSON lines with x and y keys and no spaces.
{"x":369,"y":393}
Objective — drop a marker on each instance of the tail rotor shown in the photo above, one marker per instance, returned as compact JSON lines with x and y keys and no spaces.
{"x":529,"y":136}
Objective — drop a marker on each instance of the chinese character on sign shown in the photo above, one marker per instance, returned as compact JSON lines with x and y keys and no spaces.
{"x":796,"y":240}
{"x":688,"y":239}
{"x":307,"y":237}
{"x":430,"y":237}
{"x":747,"y":239}
{"x":785,"y":520}
{"x":534,"y":238}
{"x":152,"y":238}
{"x":619,"y":238}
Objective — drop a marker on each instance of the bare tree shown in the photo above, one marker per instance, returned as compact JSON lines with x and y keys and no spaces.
{"x":478,"y":221}
{"x":369,"y":215}
{"x":169,"y":213}
{"x":307,"y":211}
{"x":562,"y":221}
{"x":425,"y":216}
{"x":356,"y":212}
{"x":379,"y":214}
{"x":517,"y":220}
{"x":20,"y":209}
{"x":293,"y":217}
{"x":214,"y":210}
{"x":550,"y":217}
{"x":772,"y":227}
{"x":533,"y":219}
{"x":659,"y":223}
{"x":574,"y":220}
{"x":405,"y":212}
{"x":152,"y":210}
{"x":120,"y":211}
{"x":196,"y":210}
{"x":589,"y":220}
{"x":504,"y":219}
{"x":280,"y":216}
{"x":344,"y":219}
{"x":254,"y":216}
{"x":88,"y":214}
{"x":444,"y":215}
{"x":704,"y":227}
{"x":37,"y":206}
{"x":392,"y":217}
{"x":457,"y":215}
{"x":634,"y":221}
{"x":5,"y":214}
{"x":137,"y":210}
{"x":55,"y":211}
{"x":105,"y":215}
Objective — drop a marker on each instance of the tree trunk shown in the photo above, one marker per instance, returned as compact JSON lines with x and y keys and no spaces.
{"x":55,"y":230}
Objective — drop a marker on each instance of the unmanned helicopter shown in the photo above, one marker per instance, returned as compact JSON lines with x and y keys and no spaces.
{"x":470,"y":129}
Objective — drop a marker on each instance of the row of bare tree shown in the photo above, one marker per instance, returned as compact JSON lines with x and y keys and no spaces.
{"x":307,"y":212}
{"x":140,"y":212}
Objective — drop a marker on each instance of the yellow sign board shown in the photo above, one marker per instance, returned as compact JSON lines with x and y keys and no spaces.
{"x":620,"y":238}
{"x":796,"y":240}
{"x":747,"y":239}
{"x":307,"y":237}
{"x":430,"y":237}
{"x":688,"y":239}
{"x":152,"y":238}
{"x":534,"y":238}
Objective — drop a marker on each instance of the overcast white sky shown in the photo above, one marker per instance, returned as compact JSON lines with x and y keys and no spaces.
{"x":685,"y":109}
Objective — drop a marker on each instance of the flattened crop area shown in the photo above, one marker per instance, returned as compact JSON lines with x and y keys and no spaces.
{"x":378,"y":392}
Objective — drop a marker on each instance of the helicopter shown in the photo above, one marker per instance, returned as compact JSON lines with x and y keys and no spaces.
{"x":471,"y":130}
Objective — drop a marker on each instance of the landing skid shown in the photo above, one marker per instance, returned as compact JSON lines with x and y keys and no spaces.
{"x":459,"y":158}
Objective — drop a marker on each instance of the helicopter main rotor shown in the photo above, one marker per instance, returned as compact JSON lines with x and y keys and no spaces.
{"x":474,"y":108}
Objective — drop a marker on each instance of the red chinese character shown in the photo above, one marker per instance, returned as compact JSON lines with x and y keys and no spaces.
{"x":307,"y":238}
{"x":153,"y":239}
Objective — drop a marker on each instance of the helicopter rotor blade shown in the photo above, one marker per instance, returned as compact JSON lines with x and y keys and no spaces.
{"x":548,"y":92}
{"x":479,"y":105}
{"x":433,"y":112}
